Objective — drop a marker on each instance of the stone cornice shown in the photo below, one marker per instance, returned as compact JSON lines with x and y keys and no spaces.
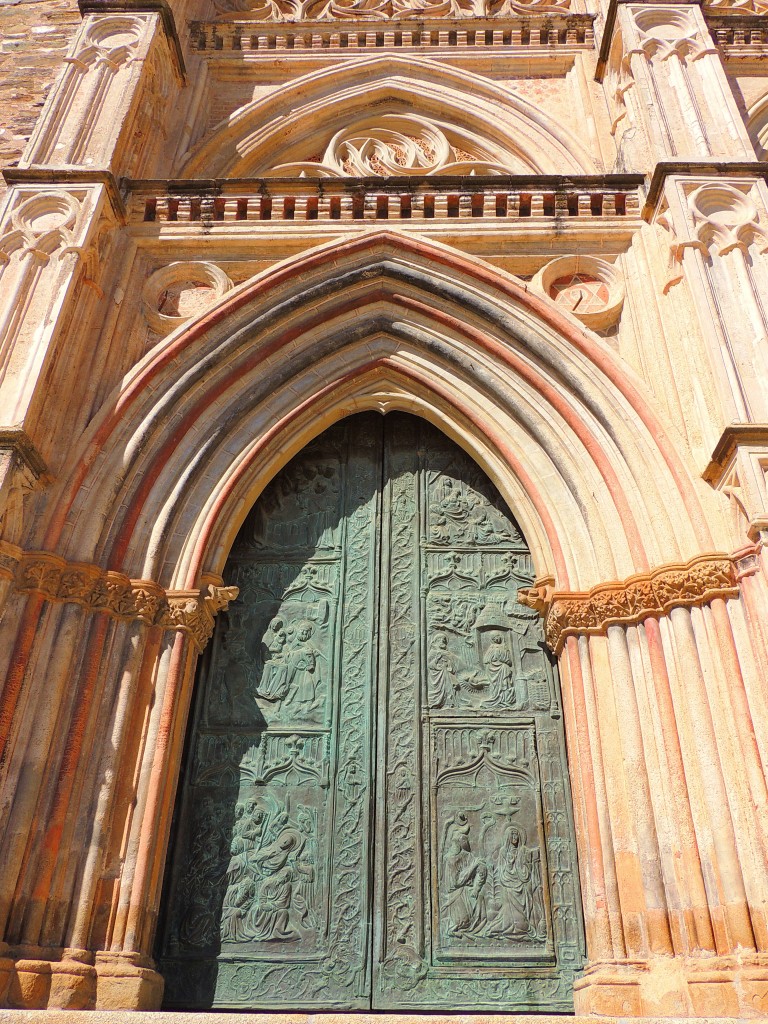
{"x":68,"y":177}
{"x":103,"y":591}
{"x":736,"y":435}
{"x":626,"y":602}
{"x":16,"y":439}
{"x":698,"y":168}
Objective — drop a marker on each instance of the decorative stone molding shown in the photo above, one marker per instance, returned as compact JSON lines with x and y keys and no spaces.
{"x":180,"y":291}
{"x":308,"y":202}
{"x":188,"y":611}
{"x":362,"y":10}
{"x":725,"y":217}
{"x":727,"y":7}
{"x":664,"y":31}
{"x":739,"y":470}
{"x":630,"y":601}
{"x":40,"y":224}
{"x":21,"y":467}
{"x":546,"y":40}
{"x":590,"y":289}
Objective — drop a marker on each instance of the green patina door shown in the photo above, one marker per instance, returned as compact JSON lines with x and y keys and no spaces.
{"x":374,"y":810}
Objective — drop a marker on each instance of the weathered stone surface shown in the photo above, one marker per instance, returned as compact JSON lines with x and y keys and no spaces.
{"x":540,"y":225}
{"x":34,"y":38}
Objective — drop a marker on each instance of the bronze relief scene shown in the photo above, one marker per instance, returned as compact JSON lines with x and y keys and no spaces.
{"x":374,"y":811}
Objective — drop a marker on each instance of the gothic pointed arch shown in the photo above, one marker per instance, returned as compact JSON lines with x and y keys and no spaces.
{"x":382,"y":322}
{"x":433,"y":105}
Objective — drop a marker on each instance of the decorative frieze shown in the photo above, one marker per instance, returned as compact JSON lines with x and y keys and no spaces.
{"x":104,"y":591}
{"x":630,"y":601}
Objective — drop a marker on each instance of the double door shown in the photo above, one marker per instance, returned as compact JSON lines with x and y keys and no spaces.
{"x":374,"y":810}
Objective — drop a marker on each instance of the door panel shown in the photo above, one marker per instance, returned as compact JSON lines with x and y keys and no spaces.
{"x":269,"y":893}
{"x":375,"y":809}
{"x":476,"y":859}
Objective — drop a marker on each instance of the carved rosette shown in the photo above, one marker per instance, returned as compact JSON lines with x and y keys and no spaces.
{"x":192,"y":612}
{"x":685,"y":585}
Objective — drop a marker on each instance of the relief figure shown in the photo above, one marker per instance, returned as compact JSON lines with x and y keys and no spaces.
{"x":307,"y":862}
{"x":273,"y":684}
{"x":463,"y":877}
{"x":500,"y":667}
{"x":270,"y":918}
{"x":518,"y":906}
{"x":303,"y":677}
{"x":271,"y":875}
{"x":444,"y":683}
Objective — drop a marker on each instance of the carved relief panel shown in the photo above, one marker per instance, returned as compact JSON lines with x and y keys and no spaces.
{"x":476,"y":863}
{"x":375,"y":809}
{"x":269,"y":898}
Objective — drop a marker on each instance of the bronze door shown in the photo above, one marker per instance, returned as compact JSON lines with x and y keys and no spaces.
{"x":374,"y":811}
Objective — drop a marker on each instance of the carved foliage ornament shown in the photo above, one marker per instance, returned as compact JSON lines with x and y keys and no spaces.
{"x":378,"y":10}
{"x":640,"y":597}
{"x":187,"y":611}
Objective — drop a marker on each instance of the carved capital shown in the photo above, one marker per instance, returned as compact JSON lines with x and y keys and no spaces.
{"x":192,"y":612}
{"x":630,"y":601}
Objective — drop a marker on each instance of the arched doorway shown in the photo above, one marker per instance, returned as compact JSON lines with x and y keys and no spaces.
{"x":374,"y":809}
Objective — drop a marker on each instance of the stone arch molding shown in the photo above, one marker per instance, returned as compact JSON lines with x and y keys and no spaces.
{"x":291,"y":130}
{"x":382,"y":322}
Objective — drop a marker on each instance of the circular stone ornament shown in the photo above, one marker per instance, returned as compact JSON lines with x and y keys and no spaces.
{"x":590,"y":289}
{"x":46,"y":212}
{"x":181,"y":291}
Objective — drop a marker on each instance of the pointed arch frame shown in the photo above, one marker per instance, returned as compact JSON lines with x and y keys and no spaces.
{"x":280,"y":127}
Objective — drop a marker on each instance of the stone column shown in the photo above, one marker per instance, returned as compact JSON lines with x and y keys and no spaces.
{"x":77,"y":904}
{"x":670,"y":802}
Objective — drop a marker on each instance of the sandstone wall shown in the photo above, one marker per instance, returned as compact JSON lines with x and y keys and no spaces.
{"x":34,"y":37}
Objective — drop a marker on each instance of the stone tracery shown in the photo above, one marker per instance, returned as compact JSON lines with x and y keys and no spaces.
{"x":398,"y":144}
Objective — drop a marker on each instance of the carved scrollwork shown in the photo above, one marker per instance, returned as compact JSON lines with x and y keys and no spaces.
{"x":640,"y":597}
{"x":192,"y":612}
{"x":392,"y":144}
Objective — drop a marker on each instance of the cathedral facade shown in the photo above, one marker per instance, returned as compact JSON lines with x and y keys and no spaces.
{"x":383,"y":507}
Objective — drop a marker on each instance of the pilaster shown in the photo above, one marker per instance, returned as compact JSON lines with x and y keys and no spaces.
{"x":715,"y":217}
{"x":671,"y":86}
{"x":661,"y":672}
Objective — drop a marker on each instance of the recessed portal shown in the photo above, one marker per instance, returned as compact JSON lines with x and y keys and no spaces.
{"x":375,"y":811}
